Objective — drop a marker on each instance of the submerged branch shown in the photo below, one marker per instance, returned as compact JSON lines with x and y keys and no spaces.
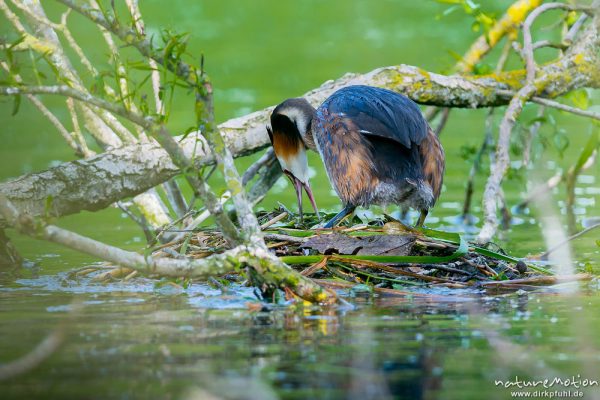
{"x":35,"y":357}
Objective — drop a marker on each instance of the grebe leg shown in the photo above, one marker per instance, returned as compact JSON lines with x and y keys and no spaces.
{"x":348,"y":209}
{"x":422,"y":217}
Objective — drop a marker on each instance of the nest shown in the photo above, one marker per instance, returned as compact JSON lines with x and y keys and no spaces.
{"x":383,"y":254}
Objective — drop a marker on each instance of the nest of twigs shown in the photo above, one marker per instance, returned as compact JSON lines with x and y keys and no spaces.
{"x":381,"y":254}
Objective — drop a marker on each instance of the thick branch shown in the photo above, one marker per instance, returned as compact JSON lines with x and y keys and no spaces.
{"x":81,"y":185}
{"x":268,"y":267}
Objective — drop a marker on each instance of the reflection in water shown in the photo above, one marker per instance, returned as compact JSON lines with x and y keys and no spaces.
{"x":143,"y":341}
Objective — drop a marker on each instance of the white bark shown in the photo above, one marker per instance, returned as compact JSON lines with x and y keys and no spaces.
{"x":99,"y":181}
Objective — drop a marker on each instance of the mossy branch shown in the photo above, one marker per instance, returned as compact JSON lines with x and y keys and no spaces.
{"x":269,"y":268}
{"x":507,"y":25}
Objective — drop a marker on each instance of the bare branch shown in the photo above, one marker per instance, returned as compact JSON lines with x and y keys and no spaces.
{"x":499,"y":168}
{"x":268,"y":268}
{"x":509,"y":22}
{"x":527,"y":40}
{"x":254,"y":168}
{"x":147,"y":165}
{"x":131,"y":37}
{"x":533,"y":131}
{"x":569,"y":239}
{"x":134,"y":10}
{"x":570,"y":36}
{"x":77,"y":130}
{"x":531,"y":88}
{"x":557,"y":105}
{"x":67,"y":91}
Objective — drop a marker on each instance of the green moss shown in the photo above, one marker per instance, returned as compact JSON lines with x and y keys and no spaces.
{"x":395,"y":79}
{"x":513,"y":79}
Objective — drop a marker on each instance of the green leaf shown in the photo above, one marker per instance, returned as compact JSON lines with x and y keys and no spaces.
{"x":48,"y":206}
{"x":540,"y":119}
{"x":449,"y":10}
{"x":588,"y":150}
{"x":187,"y":133}
{"x":140,"y":65}
{"x":296,"y":232}
{"x":561,"y":141}
{"x":579,"y":98}
{"x":16,"y":42}
{"x":185,"y":244}
{"x":482,"y":69}
{"x":16,"y":105}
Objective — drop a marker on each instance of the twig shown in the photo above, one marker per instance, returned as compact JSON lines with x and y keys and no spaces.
{"x":387,"y":268}
{"x":531,"y":87}
{"x":542,"y":189}
{"x":127,"y":35}
{"x":77,"y":129}
{"x":570,"y":36}
{"x":533,"y":131}
{"x":431,"y":245}
{"x":569,"y":239}
{"x":499,"y":168}
{"x":268,"y":177}
{"x":273,"y":220}
{"x":527,"y":40}
{"x":541,"y":280}
{"x":504,"y":209}
{"x":9,"y":255}
{"x":269,"y":269}
{"x":311,"y":270}
{"x":287,"y":238}
{"x":141,"y":221}
{"x":264,"y":160}
{"x":507,"y":24}
{"x":442,"y":123}
{"x":175,"y":197}
{"x":555,"y":104}
{"x":200,"y":82}
{"x":165,"y":139}
{"x":487,"y":142}
{"x":203,"y":216}
{"x":440,"y":267}
{"x":48,"y":114}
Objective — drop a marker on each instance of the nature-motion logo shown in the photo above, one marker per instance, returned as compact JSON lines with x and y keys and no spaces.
{"x":576,"y":382}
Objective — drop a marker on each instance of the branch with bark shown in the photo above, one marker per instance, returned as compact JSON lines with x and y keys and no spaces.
{"x":145,"y":165}
{"x":537,"y":79}
{"x":40,"y":35}
{"x":267,"y":266}
{"x":135,"y":164}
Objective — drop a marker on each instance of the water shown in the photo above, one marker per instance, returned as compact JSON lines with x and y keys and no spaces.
{"x":133,"y":341}
{"x":142,"y":340}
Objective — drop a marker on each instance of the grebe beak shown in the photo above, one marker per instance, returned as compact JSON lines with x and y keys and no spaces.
{"x":298,"y":186}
